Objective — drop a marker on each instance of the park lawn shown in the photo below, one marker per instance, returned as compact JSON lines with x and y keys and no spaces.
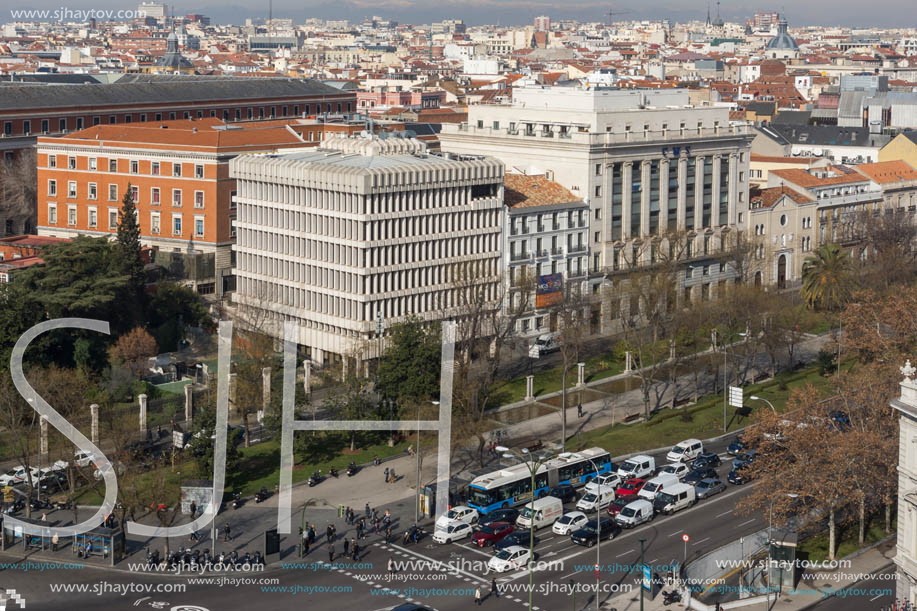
{"x":177,"y":387}
{"x":666,"y":427}
{"x":551,"y":380}
{"x":816,"y":548}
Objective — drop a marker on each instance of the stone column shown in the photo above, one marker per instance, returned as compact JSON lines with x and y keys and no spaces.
{"x":627,"y":191}
{"x":645,"y":168}
{"x":307,"y":376}
{"x":189,"y":408}
{"x":698,"y":193}
{"x":529,"y":388}
{"x":680,"y":216}
{"x":94,"y":413}
{"x":733,"y":204}
{"x":663,"y":195}
{"x":233,"y":384}
{"x":43,"y":422}
{"x":715,"y":196}
{"x":581,"y":374}
{"x":318,"y":356}
{"x":265,"y":388}
{"x":142,"y":399}
{"x":628,"y":362}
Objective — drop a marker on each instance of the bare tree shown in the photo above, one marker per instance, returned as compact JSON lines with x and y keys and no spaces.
{"x":18,"y":191}
{"x":572,"y":322}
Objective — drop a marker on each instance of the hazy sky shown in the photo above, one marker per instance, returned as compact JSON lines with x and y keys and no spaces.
{"x":898,"y":13}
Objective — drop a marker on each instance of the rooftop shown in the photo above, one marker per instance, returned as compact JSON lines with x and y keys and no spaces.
{"x":823,"y":177}
{"x":525,"y":191}
{"x":885,"y":172}
{"x":767,"y":198}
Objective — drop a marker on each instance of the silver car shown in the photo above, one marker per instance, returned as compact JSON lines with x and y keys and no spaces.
{"x":708,"y":487}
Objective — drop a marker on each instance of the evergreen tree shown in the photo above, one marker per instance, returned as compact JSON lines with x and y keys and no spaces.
{"x":131,"y":260}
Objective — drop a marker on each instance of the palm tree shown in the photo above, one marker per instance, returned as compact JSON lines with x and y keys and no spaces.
{"x":827,"y":278}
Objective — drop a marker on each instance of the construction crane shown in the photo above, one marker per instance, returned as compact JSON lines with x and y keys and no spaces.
{"x":612,"y":12}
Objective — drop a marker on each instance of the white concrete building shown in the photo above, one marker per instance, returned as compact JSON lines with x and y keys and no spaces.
{"x":360,"y":231}
{"x":906,"y":554}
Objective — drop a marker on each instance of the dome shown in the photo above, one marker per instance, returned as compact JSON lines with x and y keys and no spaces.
{"x":782,"y":40}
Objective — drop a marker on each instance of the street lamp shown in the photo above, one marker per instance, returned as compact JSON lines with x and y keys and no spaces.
{"x":598,"y":528}
{"x":770,"y":540}
{"x":533,"y":465}
{"x":757,"y":398}
{"x":725,"y":381}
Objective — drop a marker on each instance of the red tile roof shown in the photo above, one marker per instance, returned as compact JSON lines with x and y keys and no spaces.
{"x":524,"y":190}
{"x":767,"y":198}
{"x":885,"y":172}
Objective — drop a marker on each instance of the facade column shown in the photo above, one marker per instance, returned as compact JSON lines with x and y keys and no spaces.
{"x":680,"y":220}
{"x":580,"y":375}
{"x":94,"y":430}
{"x":307,"y":376}
{"x":627,"y":192}
{"x":733,"y":204}
{"x":698,"y":193}
{"x":663,"y":195}
{"x":645,"y":167}
{"x":529,"y":388}
{"x":189,"y":408}
{"x":142,"y":399}
{"x":715,"y":197}
{"x":318,"y":354}
{"x":265,"y":388}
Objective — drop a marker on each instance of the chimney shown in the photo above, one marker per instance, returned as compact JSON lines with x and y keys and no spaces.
{"x":193,"y":130}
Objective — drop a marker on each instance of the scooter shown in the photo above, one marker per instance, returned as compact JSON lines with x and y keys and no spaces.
{"x":246,"y":559}
{"x":671,"y":597}
{"x":315,"y":478}
{"x":262,"y":495}
{"x":351,"y":469}
{"x":334,"y":472}
{"x":236,"y":500}
{"x":152,"y":558}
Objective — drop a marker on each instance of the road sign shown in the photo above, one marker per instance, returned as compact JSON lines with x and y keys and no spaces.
{"x":685,"y":537}
{"x":8,"y":496}
{"x":596,"y":571}
{"x":735,"y":396}
{"x":647,"y":578}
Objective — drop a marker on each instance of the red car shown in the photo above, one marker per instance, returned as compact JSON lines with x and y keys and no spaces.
{"x":618,"y":504}
{"x":491,"y":533}
{"x":630,"y":487}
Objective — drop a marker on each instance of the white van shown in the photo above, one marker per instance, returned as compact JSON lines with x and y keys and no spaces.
{"x":635,"y":513}
{"x":639,"y":466}
{"x":546,"y":510}
{"x":600,"y":499}
{"x":657,"y":485}
{"x":686,"y":451}
{"x":545,"y":344}
{"x":675,"y":498}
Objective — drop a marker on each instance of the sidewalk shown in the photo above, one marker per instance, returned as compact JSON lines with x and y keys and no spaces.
{"x":816,"y":587}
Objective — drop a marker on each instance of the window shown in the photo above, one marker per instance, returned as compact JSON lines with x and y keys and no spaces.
{"x":112,"y":165}
{"x":135,"y":194}
{"x":176,"y":169}
{"x":71,"y":163}
{"x":154,"y":168}
{"x":26,"y":127}
{"x":741,"y":176}
{"x":96,"y":120}
{"x":480,"y":123}
{"x":496,"y":125}
{"x":112,"y":218}
{"x":52,"y":214}
{"x":176,"y":224}
{"x":71,"y":216}
{"x":598,"y":169}
{"x":52,"y":161}
{"x":199,"y":226}
{"x":112,"y":193}
{"x":135,"y":166}
{"x":232,"y":227}
{"x":154,"y":196}
{"x":92,"y":163}
{"x":8,"y":128}
{"x":52,"y":188}
{"x":232,"y":200}
{"x":154,"y":223}
{"x":198,"y":171}
{"x":198,"y":199}
{"x":176,"y":197}
{"x":783,"y":220}
{"x":93,"y":217}
{"x":93,"y":191}
{"x":598,"y":191}
{"x":71,"y":188}
{"x":143,"y":117}
{"x":112,"y":119}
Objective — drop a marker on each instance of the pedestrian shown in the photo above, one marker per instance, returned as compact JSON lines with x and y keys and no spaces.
{"x":355,"y":549}
{"x":376,"y":460}
{"x":312,"y":533}
{"x":347,"y":516}
{"x":388,"y":534}
{"x":346,"y":547}
{"x":54,"y":541}
{"x":386,"y":475}
{"x":579,"y":410}
{"x":391,"y":566}
{"x":368,"y":512}
{"x":193,"y":509}
{"x":411,"y":450}
{"x":392,"y":475}
{"x":330,"y":553}
{"x":194,"y":537}
{"x":375,"y":514}
{"x":360,"y":529}
{"x":305,"y":545}
{"x":227,"y":533}
{"x":494,"y":590}
{"x":44,"y":517}
{"x":477,"y":596}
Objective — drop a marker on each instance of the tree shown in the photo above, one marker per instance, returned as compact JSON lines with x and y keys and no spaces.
{"x":409,"y":367}
{"x":134,"y":348}
{"x":19,"y":192}
{"x":881,"y":326}
{"x":203,"y":440}
{"x":828,"y":278}
{"x":572,"y":325}
{"x":129,"y":248}
{"x":172,"y":307}
{"x":889,"y":237}
{"x":353,"y":403}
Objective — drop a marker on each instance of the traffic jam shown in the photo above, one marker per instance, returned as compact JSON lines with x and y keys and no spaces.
{"x":581,"y":499}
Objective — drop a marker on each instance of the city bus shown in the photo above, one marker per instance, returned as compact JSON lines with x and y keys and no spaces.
{"x":513,"y":486}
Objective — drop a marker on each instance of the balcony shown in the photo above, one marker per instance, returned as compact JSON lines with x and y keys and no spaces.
{"x":576,"y":248}
{"x":557,"y":250}
{"x":541,"y":253}
{"x":522,"y":256}
{"x":541,"y":229}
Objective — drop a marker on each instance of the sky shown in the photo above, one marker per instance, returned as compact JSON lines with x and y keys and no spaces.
{"x":881,"y":13}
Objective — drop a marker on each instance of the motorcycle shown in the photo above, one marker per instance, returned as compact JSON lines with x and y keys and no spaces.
{"x":246,"y":559}
{"x":236,"y":500}
{"x":672,"y":597}
{"x":257,"y":559}
{"x":351,"y":469}
{"x":262,"y":495}
{"x":315,"y":478}
{"x":334,"y":472}
{"x":152,"y":558}
{"x":234,"y":558}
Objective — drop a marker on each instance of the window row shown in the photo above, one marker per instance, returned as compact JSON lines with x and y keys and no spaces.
{"x":132,"y":166}
{"x":92,"y":193}
{"x":92,"y":220}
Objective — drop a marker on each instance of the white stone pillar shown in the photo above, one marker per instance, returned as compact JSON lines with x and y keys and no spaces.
{"x":529,"y":388}
{"x":142,"y":399}
{"x":663,"y":196}
{"x":189,"y":408}
{"x":698,"y":193}
{"x":318,"y":355}
{"x":645,"y":167}
{"x":581,"y":374}
{"x":715,"y":196}
{"x":628,"y":362}
{"x":733,"y":204}
{"x":681,"y":214}
{"x":627,"y":191}
{"x":43,"y":422}
{"x":265,"y":388}
{"x":307,"y":376}
{"x":94,"y":430}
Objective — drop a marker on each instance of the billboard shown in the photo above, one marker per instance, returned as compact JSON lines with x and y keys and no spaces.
{"x":549,"y":291}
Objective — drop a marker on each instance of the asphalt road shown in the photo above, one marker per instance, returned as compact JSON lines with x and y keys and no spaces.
{"x":868,"y":594}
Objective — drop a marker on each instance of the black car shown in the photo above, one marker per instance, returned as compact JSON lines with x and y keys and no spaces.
{"x":840,"y":420}
{"x":518,"y":537}
{"x":697,"y":475}
{"x":564,"y":492}
{"x":591,"y":532}
{"x":739,"y":475}
{"x":499,"y":515}
{"x":707,"y":460}
{"x":744,"y":458}
{"x":736,"y":447}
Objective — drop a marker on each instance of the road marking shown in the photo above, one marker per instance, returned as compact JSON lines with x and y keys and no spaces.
{"x":701,"y":541}
{"x":875,"y":597}
{"x":725,"y":513}
{"x":571,"y":574}
{"x":745,"y":522}
{"x":677,"y":532}
{"x":630,"y":551}
{"x":443,"y":565}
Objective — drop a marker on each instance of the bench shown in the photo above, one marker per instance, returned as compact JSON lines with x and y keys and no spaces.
{"x":633,"y":417}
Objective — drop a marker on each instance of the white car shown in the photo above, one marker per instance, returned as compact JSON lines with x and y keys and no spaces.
{"x":678,"y":469}
{"x":83,"y":459}
{"x":459,"y":513}
{"x":452,"y":532}
{"x":569,"y":522}
{"x":507,"y":559}
{"x":16,"y":475}
{"x":612,"y":480}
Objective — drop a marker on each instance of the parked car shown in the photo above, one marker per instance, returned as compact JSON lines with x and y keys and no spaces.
{"x":618,"y":504}
{"x":685,"y":451}
{"x":452,"y":532}
{"x":540,"y":513}
{"x":630,"y":488}
{"x":459,"y":513}
{"x":708,"y":487}
{"x":840,"y":420}
{"x":564,"y":492}
{"x":83,"y":458}
{"x":744,"y":458}
{"x":17,"y":475}
{"x":491,"y":533}
{"x":569,"y":522}
{"x":510,"y":558}
{"x":706,"y":460}
{"x":738,"y":476}
{"x":592,"y":531}
{"x":656,"y":485}
{"x":736,"y":447}
{"x":500,"y":515}
{"x":678,"y":469}
{"x":545,"y":344}
{"x":697,"y":475}
{"x":517,"y":537}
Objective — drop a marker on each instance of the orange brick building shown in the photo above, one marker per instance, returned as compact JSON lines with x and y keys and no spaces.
{"x":178,"y":172}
